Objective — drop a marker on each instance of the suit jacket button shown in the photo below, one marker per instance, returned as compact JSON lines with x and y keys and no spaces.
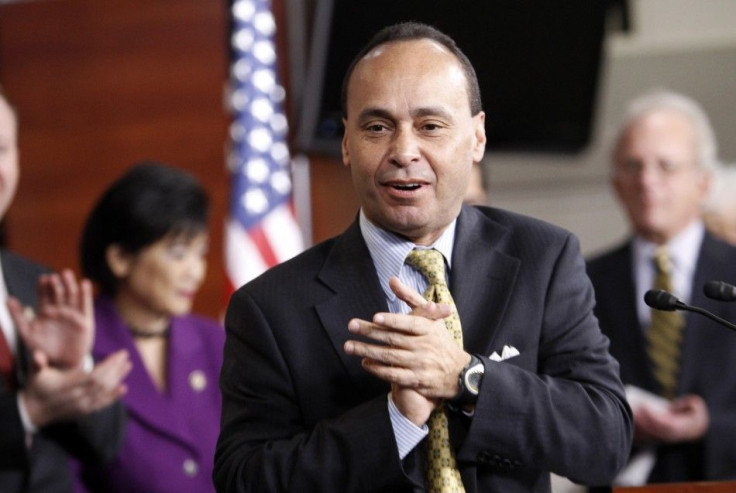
{"x":190,"y":468}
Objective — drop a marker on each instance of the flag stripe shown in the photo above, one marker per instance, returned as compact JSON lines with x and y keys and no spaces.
{"x":261,"y":229}
{"x":260,"y":240}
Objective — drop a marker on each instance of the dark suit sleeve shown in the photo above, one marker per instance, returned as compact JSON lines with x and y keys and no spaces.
{"x":266,"y":442}
{"x":12,"y":446}
{"x":93,"y":439}
{"x":562,"y":408}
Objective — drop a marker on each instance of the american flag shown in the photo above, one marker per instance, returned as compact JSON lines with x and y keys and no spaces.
{"x":261,"y":229}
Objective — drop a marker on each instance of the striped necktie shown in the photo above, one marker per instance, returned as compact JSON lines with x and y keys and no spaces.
{"x":443,"y":475}
{"x":666,"y":331}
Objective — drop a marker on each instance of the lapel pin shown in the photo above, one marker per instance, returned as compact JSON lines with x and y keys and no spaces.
{"x":197,"y":380}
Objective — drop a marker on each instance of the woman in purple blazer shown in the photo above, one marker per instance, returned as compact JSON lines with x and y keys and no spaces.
{"x":144,"y":245}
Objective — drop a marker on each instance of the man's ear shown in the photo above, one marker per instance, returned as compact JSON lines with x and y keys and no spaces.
{"x":118,"y":260}
{"x":345,"y":150}
{"x":479,"y":144}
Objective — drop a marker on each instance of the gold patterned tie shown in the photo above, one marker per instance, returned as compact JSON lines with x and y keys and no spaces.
{"x":665,"y":331}
{"x":442,"y":472}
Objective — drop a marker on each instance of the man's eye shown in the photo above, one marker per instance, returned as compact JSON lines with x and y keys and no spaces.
{"x":431,"y":126}
{"x":376,"y":128}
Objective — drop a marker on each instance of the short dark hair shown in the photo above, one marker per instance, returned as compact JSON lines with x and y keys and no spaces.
{"x":147,"y":203}
{"x":406,"y":31}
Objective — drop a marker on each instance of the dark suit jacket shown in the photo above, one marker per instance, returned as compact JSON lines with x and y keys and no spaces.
{"x":300,"y":415}
{"x":708,"y":358}
{"x":44,"y":468}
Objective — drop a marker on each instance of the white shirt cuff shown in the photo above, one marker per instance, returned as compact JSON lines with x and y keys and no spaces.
{"x":25,"y":418}
{"x":408,"y":435}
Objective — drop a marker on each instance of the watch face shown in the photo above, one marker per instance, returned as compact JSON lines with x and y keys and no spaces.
{"x":473,"y":379}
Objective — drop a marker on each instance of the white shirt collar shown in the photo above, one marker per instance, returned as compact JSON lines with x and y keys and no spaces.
{"x":683,"y":250}
{"x":389,"y":250}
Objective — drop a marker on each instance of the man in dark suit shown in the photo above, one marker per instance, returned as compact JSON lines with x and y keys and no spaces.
{"x":334,"y":362}
{"x":662,"y":163}
{"x":53,"y":400}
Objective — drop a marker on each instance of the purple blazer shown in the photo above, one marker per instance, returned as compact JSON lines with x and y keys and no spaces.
{"x":170,"y":438}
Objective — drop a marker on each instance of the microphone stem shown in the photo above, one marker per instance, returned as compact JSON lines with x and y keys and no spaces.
{"x":708,"y":314}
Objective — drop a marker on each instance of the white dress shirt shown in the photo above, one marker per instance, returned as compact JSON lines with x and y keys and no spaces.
{"x":683,"y":250}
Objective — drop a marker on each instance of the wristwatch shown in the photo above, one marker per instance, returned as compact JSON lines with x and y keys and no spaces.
{"x":469,"y":381}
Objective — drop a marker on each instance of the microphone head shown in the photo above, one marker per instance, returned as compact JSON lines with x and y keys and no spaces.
{"x":661,"y":300}
{"x":719,"y":290}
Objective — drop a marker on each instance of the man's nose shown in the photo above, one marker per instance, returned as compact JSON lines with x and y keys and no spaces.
{"x":405,"y":147}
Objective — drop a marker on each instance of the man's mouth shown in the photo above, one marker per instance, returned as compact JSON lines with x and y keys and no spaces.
{"x":406,"y":186}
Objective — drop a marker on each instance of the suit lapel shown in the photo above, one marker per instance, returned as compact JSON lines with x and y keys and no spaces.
{"x":21,"y":284}
{"x":350,"y":274}
{"x":712,"y":257}
{"x":482,"y":277}
{"x":18,"y":281}
{"x":633,"y":344}
{"x":143,"y":399}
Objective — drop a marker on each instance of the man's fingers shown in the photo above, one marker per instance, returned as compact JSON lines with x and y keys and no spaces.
{"x":111,"y":371}
{"x":420,"y":306}
{"x":382,"y":353}
{"x":45,"y":289}
{"x":388,"y":328}
{"x":433,"y":311}
{"x":70,"y":288}
{"x":57,"y":288}
{"x":86,"y":303}
{"x":40,"y":360}
{"x":16,"y":313}
{"x":405,"y":293}
{"x":397,"y":375}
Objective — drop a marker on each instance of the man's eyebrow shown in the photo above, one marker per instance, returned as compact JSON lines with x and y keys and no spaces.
{"x":415,"y":113}
{"x":374,"y":113}
{"x":432,"y":111}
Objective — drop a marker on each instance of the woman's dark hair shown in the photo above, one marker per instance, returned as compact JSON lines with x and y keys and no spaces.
{"x":147,"y":203}
{"x":407,"y":31}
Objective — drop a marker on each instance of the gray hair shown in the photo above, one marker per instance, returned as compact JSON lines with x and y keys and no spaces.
{"x":705,"y":138}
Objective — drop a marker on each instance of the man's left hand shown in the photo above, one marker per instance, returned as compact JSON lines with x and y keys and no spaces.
{"x":63,"y":328}
{"x":415,"y":350}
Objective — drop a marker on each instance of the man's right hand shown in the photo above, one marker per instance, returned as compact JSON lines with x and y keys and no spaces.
{"x":53,"y":394}
{"x":687,"y":419}
{"x":64,"y":326}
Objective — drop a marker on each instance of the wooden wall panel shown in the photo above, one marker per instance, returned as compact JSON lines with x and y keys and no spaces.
{"x":334,"y":200}
{"x":100,"y":85}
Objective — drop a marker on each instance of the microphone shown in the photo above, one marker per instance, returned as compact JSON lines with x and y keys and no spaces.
{"x":719,"y":290}
{"x":662,"y":300}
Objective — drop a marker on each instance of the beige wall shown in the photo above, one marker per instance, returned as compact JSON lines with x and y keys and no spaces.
{"x":683,"y":45}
